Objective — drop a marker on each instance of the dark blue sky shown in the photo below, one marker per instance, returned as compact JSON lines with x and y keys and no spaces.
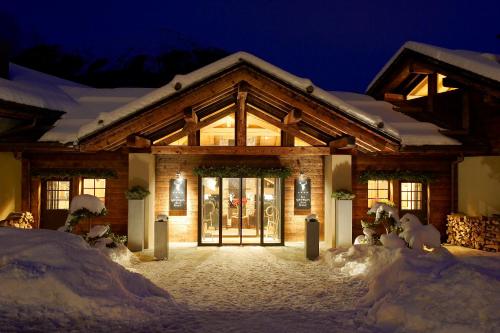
{"x":339,"y":45}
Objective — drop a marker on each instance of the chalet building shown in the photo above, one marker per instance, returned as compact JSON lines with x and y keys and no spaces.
{"x":240,"y":151}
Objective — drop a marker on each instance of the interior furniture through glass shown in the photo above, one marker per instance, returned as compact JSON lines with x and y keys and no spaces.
{"x":240,"y":211}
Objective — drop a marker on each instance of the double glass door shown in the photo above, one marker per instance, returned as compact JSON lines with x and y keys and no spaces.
{"x":240,"y":211}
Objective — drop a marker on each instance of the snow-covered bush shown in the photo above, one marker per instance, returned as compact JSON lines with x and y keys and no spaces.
{"x":387,"y":214}
{"x":101,"y":236}
{"x":81,"y":207}
{"x":417,"y":235}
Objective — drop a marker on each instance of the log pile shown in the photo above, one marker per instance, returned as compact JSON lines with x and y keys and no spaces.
{"x":477,"y":232}
{"x":21,"y":220}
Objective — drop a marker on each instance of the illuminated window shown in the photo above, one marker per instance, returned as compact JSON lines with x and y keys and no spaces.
{"x":422,"y":88}
{"x":411,"y":196}
{"x":219,"y":133}
{"x":378,"y":190}
{"x":262,"y":133}
{"x":95,"y":187}
{"x":181,"y":142}
{"x":300,"y":143}
{"x":58,"y":194}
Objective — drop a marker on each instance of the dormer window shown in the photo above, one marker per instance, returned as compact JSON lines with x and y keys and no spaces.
{"x":422,"y":88}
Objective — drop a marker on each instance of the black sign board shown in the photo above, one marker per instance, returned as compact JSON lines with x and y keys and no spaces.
{"x":178,"y":191}
{"x":303,"y":193}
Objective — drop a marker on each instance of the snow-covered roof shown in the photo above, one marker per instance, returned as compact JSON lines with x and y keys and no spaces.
{"x":89,"y":109}
{"x":80,"y":103}
{"x":484,"y":64}
{"x":411,"y":132}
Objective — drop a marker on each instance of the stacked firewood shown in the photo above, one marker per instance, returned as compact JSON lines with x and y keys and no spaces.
{"x":21,"y":220}
{"x":477,"y":232}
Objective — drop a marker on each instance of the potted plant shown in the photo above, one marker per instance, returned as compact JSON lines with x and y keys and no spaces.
{"x":136,"y":217}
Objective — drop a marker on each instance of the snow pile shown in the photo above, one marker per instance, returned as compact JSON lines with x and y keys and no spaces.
{"x":359,"y":260}
{"x":98,"y":231}
{"x":412,"y":291}
{"x":392,"y":241}
{"x":54,"y":281}
{"x":86,"y":201}
{"x":101,"y":238}
{"x":417,"y":235}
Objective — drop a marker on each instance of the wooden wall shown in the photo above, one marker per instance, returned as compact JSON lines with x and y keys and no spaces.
{"x":116,"y":203}
{"x":439,"y":191}
{"x":185,"y":228}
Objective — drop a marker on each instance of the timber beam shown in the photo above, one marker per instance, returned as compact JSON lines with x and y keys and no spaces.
{"x":241,"y":114}
{"x":291,"y":129}
{"x":343,"y":142}
{"x":239,"y":151}
{"x":417,"y":68}
{"x":137,"y":141}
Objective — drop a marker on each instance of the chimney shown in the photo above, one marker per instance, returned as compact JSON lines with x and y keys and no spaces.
{"x":4,"y":59}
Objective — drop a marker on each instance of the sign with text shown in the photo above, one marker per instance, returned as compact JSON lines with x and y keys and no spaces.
{"x":178,"y":192}
{"x":302,"y":193}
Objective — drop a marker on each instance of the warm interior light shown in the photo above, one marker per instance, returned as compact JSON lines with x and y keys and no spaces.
{"x":422,"y":88}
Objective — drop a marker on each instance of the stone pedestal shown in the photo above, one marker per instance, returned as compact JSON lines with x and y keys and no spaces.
{"x":135,"y":240}
{"x":161,"y":240}
{"x":311,"y":243}
{"x":343,"y":219}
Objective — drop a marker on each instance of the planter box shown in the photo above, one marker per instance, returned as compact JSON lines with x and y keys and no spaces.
{"x":135,"y":225}
{"x":343,"y":223}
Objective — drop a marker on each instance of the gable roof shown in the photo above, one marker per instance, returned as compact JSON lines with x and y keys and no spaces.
{"x":80,"y":103}
{"x":411,"y":131}
{"x":89,"y":110}
{"x":484,"y":64}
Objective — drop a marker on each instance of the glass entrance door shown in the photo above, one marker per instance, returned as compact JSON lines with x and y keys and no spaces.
{"x":250,"y":211}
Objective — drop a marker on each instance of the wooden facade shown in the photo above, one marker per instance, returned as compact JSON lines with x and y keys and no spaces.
{"x":185,"y":228}
{"x":469,"y":113}
{"x":115,"y":187}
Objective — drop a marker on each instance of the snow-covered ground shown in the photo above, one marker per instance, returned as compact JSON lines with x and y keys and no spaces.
{"x":259,"y":289}
{"x":53,"y":281}
{"x":414,"y":291}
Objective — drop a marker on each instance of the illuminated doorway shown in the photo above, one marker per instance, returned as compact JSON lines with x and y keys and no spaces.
{"x":238,"y":211}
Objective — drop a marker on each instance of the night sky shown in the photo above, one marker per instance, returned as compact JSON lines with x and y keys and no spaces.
{"x":339,"y":45}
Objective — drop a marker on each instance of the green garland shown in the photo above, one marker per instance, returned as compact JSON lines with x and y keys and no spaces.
{"x":136,"y":193}
{"x":69,"y":173}
{"x":408,"y":175}
{"x":343,"y":195}
{"x":241,"y":171}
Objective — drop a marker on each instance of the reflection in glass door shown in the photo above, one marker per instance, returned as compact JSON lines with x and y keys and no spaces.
{"x":210,"y":205}
{"x":241,"y":211}
{"x":272,"y":210}
{"x":231,"y":209}
{"x":250,"y":211}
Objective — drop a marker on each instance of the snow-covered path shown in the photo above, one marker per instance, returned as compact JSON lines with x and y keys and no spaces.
{"x":258,"y":289}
